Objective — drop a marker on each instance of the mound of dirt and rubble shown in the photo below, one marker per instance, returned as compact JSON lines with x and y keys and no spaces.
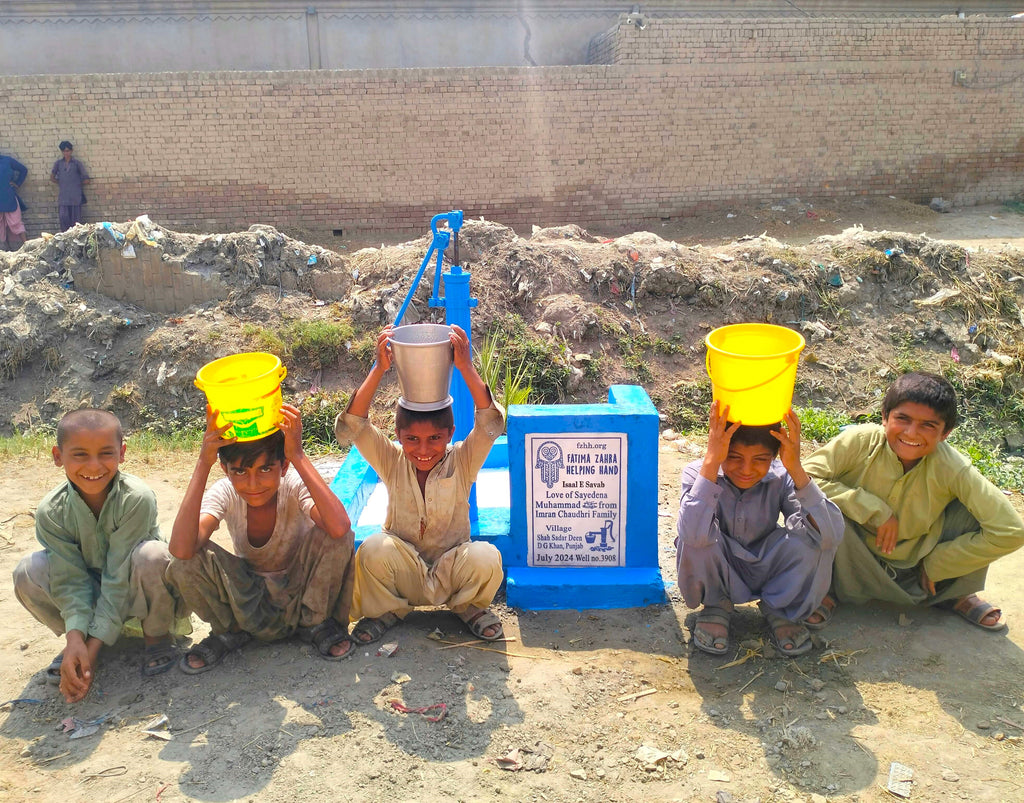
{"x":629,"y":309}
{"x":604,"y":705}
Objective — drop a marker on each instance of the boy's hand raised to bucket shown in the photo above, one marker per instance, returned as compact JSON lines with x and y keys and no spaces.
{"x":720,"y":434}
{"x":291,"y":425}
{"x":462,"y":354}
{"x":789,"y":448}
{"x":214,"y":438}
{"x":384,"y":349}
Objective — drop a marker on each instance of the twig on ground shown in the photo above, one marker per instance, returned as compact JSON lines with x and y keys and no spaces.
{"x":197,"y":727}
{"x":500,"y":652}
{"x":744,"y":686}
{"x":628,"y":698}
{"x":51,"y":758}
{"x":453,"y":645}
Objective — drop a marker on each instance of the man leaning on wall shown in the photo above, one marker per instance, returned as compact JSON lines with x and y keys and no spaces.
{"x":12,"y":229}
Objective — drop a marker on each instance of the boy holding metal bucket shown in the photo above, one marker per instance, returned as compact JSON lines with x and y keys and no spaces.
{"x":424,"y":556}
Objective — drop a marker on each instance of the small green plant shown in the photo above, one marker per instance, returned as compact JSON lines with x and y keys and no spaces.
{"x":319,"y":409}
{"x":545,"y":367}
{"x":634,"y":348}
{"x":508,"y":381}
{"x":820,"y":425}
{"x":263,"y":339}
{"x":127,"y":393}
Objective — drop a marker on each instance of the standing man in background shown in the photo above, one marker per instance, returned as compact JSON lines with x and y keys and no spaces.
{"x":69,"y":175}
{"x":12,"y":229}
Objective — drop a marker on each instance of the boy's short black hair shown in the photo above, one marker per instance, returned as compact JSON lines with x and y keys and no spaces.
{"x":442,"y":419}
{"x":65,"y":145}
{"x":920,"y":387}
{"x":246,"y":453}
{"x":747,"y":435}
{"x":88,"y":418}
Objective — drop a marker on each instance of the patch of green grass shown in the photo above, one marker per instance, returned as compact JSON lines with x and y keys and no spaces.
{"x":984,"y":399}
{"x":316,"y":343}
{"x":35,"y":442}
{"x":820,"y":425}
{"x":154,"y":439}
{"x":319,"y":343}
{"x":686,"y":410}
{"x":592,"y":368}
{"x":635,"y":348}
{"x":365,"y":351}
{"x":263,"y":339}
{"x":996,"y":467}
{"x":906,"y":359}
{"x":319,"y":409}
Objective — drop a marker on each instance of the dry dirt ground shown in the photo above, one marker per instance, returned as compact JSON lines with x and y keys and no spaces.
{"x":582,"y":705}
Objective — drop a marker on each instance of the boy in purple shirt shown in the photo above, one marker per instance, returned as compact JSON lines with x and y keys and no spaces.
{"x":731,"y":547}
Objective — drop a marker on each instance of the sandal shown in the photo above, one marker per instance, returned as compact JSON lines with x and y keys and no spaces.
{"x":212,"y":649}
{"x":707,"y":641}
{"x":53,"y":670}
{"x":977,"y":610}
{"x":480,"y":621}
{"x":325,"y":635}
{"x":795,"y":644}
{"x":373,"y":627}
{"x":826,"y":611}
{"x":158,"y":658}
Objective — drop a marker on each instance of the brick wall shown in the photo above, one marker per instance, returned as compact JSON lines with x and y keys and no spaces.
{"x":147,"y":280}
{"x":691,"y":114}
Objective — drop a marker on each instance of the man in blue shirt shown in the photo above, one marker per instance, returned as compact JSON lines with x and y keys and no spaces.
{"x":12,"y":230}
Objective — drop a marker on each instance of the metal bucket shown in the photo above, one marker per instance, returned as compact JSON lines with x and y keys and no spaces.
{"x":422,"y":354}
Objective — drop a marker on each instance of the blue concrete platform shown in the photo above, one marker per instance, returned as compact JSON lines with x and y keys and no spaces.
{"x":596,"y":544}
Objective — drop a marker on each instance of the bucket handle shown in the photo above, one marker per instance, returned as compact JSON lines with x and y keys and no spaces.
{"x":281,"y":373}
{"x":707,"y":366}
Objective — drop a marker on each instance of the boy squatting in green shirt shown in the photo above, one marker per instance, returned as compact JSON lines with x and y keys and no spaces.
{"x":922,"y":525}
{"x":103,"y":560}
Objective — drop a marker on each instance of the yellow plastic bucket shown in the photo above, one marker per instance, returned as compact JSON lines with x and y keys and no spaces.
{"x":753,"y":370}
{"x":245,"y":389}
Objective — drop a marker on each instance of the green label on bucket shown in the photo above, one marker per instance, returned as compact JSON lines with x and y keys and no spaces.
{"x":246,"y":421}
